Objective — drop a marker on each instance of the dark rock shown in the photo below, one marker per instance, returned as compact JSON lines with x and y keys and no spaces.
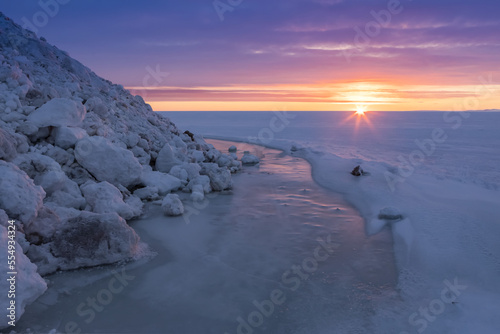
{"x":190,"y":134}
{"x":357,"y":171}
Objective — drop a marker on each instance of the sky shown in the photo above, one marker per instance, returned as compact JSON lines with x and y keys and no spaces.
{"x":283,"y":54}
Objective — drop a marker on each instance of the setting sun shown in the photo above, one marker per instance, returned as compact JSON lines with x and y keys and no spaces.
{"x":360,"y":110}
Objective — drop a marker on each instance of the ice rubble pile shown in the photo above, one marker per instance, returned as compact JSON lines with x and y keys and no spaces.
{"x":79,"y":155}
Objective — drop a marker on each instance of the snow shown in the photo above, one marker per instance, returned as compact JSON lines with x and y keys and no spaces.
{"x":165,"y":183}
{"x":201,"y":180}
{"x":166,"y":159}
{"x":108,"y":162}
{"x":58,"y":112}
{"x":19,"y":196}
{"x":73,"y":146}
{"x":147,"y":193}
{"x":197,"y":193}
{"x":42,"y":228}
{"x":8,"y":145}
{"x":66,"y":137}
{"x":220,"y":178}
{"x":28,"y":283}
{"x":172,"y":205}
{"x":103,"y":197}
{"x":249,"y":159}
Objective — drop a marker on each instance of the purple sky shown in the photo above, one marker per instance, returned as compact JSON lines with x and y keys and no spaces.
{"x":307,"y":53}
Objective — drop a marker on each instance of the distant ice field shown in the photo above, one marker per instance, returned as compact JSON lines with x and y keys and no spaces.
{"x":437,"y":172}
{"x":470,"y":152}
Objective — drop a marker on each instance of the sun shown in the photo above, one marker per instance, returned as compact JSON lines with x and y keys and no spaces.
{"x":360,"y":110}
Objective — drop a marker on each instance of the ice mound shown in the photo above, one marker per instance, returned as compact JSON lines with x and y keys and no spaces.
{"x":19,"y":196}
{"x":172,"y":205}
{"x":79,"y":155}
{"x":58,"y":112}
{"x":107,"y":161}
{"x":103,"y":197}
{"x":249,"y":159}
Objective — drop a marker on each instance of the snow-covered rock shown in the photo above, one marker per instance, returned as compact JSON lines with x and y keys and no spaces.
{"x":147,"y":193}
{"x":197,"y":193}
{"x":28,"y":283}
{"x":19,"y":196}
{"x":201,"y":180}
{"x":47,"y":173}
{"x":66,"y":137}
{"x":220,"y":178}
{"x":103,"y":197}
{"x":142,"y":156}
{"x":42,"y":228}
{"x":8,"y":145}
{"x":225,"y":160}
{"x":186,"y":171}
{"x":92,"y":239}
{"x":108,"y":162}
{"x":249,"y":159}
{"x":58,"y":112}
{"x":180,"y":172}
{"x":172,"y":205}
{"x":166,"y":159}
{"x":64,"y":130}
{"x":165,"y":183}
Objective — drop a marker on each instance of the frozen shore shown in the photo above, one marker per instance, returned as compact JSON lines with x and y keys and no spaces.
{"x":233,"y":251}
{"x":79,"y":157}
{"x":447,"y":238}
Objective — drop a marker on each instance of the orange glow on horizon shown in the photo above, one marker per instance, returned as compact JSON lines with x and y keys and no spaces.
{"x":314,"y":97}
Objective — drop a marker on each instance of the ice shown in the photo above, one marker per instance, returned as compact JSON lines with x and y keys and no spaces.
{"x":58,"y":112}
{"x":172,"y":205}
{"x":108,"y":162}
{"x":19,"y":196}
{"x":165,"y":183}
{"x":8,"y":146}
{"x":42,"y":228}
{"x":197,"y":193}
{"x":28,"y":283}
{"x":66,"y":137}
{"x":63,"y":128}
{"x":48,"y":174}
{"x":103,"y":197}
{"x":249,"y":159}
{"x":166,"y":159}
{"x":202,"y":181}
{"x":220,"y":178}
{"x":147,"y":193}
{"x":232,"y":256}
{"x":449,"y":203}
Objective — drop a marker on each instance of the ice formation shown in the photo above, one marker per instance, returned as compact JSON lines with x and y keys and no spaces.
{"x":249,"y":159}
{"x":79,"y":154}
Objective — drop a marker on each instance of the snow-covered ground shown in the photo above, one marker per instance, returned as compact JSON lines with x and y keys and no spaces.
{"x":439,"y":171}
